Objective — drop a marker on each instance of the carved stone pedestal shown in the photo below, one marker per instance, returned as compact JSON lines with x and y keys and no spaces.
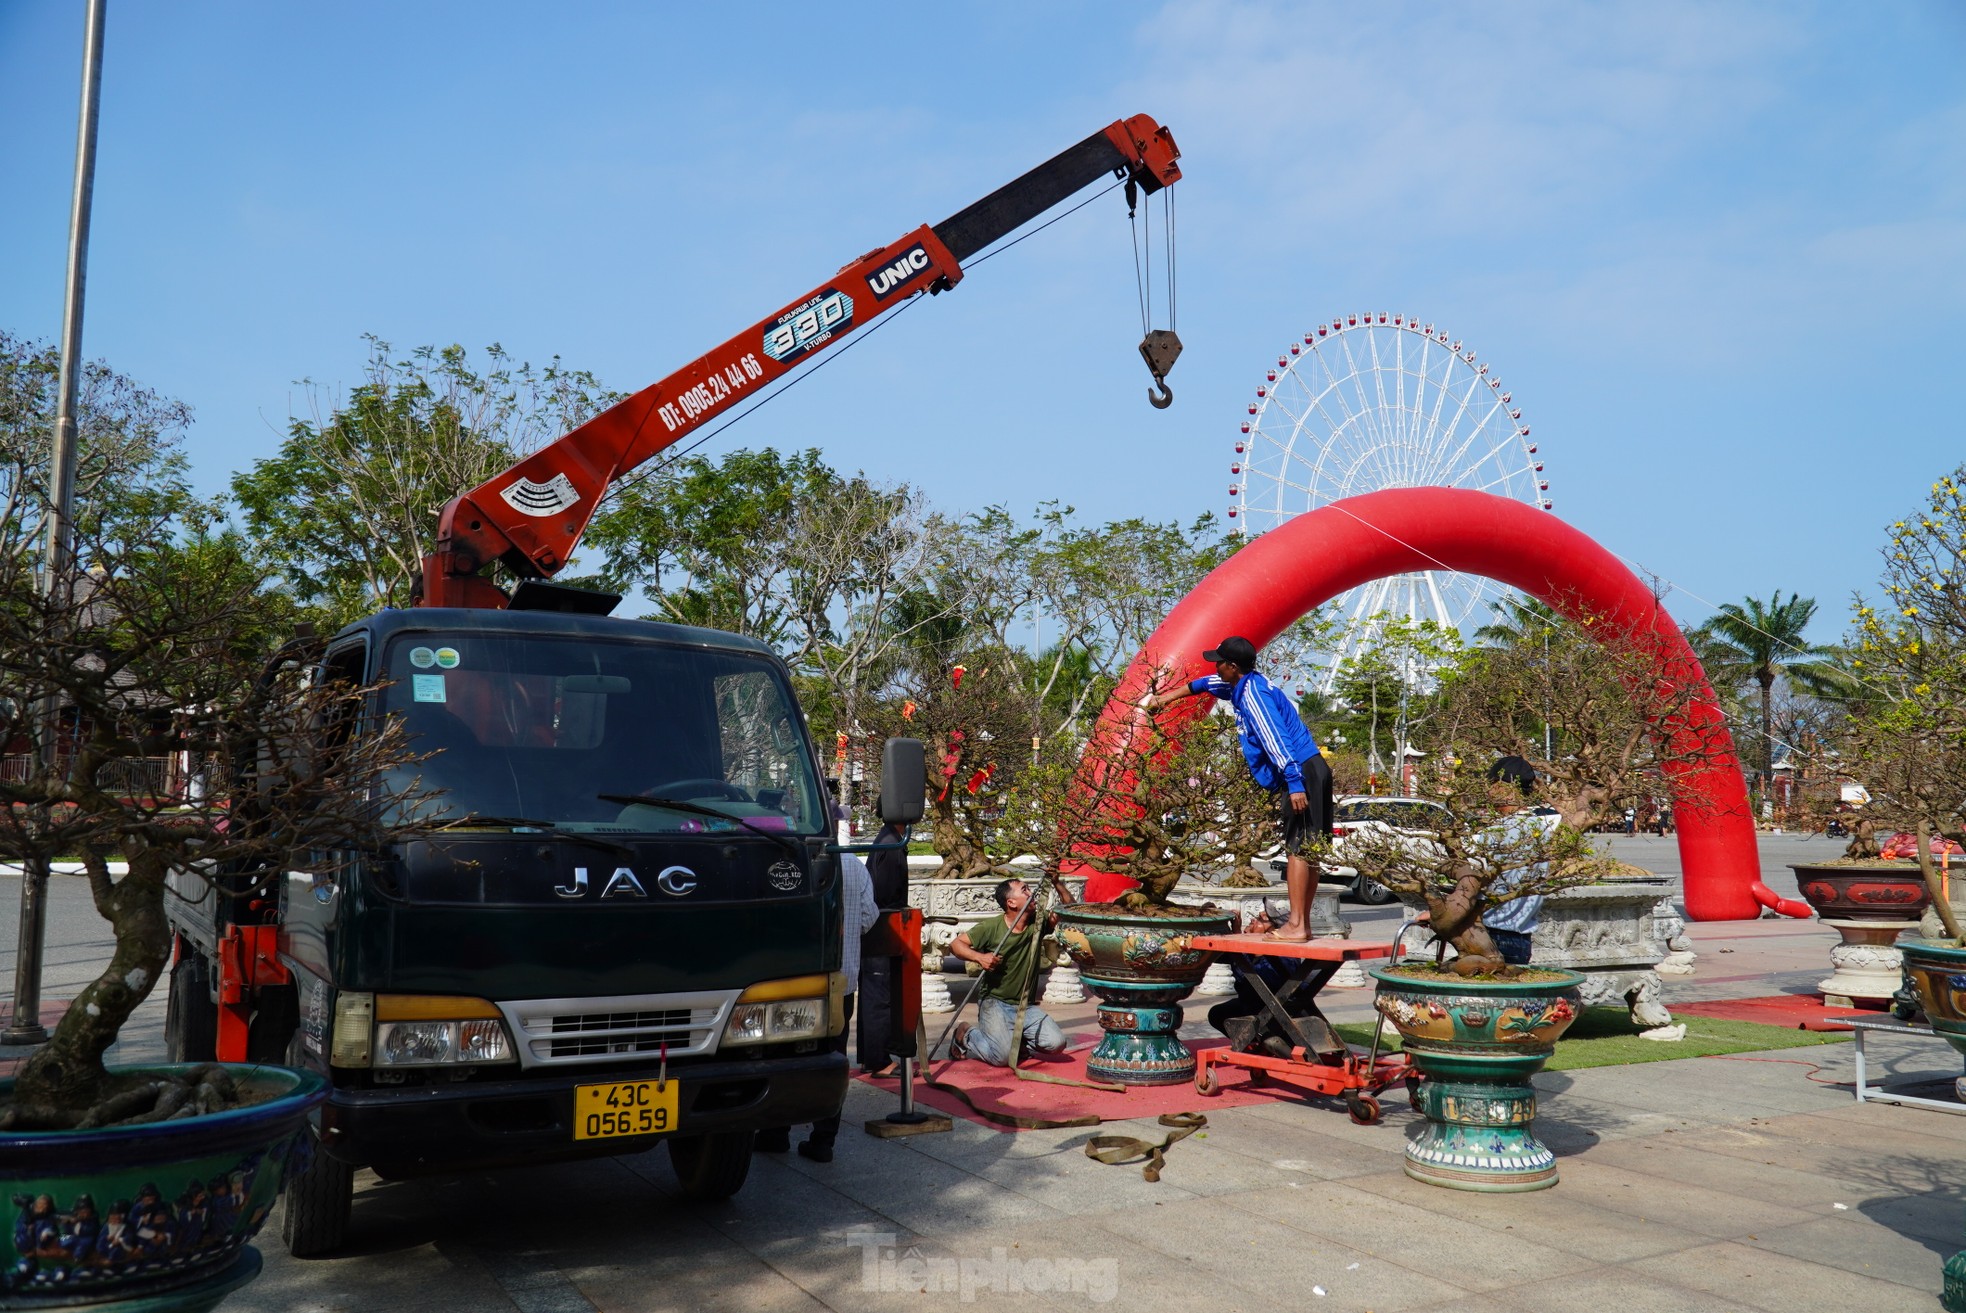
{"x":1062,"y":985}
{"x":935,"y":994}
{"x":1217,"y":982}
{"x":1868,"y":968}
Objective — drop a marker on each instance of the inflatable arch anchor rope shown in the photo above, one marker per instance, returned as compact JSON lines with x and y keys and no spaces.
{"x":1308,"y":560}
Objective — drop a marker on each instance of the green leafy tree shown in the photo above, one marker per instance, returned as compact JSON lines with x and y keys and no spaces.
{"x":1907,"y":741}
{"x":348,"y":508}
{"x":129,"y":465}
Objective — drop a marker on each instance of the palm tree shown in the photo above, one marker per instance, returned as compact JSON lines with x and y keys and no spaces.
{"x":1756,"y":640}
{"x":1518,"y":620}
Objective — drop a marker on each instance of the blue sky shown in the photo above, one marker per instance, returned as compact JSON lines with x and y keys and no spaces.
{"x":1718,"y":252}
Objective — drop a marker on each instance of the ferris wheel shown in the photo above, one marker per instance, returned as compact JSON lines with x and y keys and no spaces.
{"x":1368,"y":402}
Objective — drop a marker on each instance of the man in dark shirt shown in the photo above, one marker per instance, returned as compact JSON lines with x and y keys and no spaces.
{"x":874,"y":1042}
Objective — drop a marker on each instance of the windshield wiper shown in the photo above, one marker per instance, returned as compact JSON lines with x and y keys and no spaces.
{"x":676,"y":804}
{"x":509,"y":822}
{"x":550,"y":830}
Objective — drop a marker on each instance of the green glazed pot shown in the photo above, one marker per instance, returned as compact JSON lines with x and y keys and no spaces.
{"x":1478,"y":1043}
{"x":151,"y":1217}
{"x":1938,"y":971}
{"x":1140,"y":968}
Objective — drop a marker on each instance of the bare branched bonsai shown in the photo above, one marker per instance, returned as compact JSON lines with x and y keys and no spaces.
{"x":1604,"y":717}
{"x":1155,"y":799}
{"x":172,"y":745}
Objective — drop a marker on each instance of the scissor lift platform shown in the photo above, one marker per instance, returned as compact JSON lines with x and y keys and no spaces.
{"x":1318,"y":1059}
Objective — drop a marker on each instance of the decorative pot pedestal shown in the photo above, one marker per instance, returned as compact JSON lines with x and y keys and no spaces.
{"x":1868,"y":968}
{"x":1479,"y":1042}
{"x":935,"y":994}
{"x":1062,"y":986}
{"x":1869,"y":905}
{"x":1140,"y":968}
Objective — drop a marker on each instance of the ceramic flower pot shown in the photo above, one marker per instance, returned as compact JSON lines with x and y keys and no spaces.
{"x":1938,"y":971}
{"x":1886,"y":891}
{"x":153,"y":1217}
{"x":1478,"y":1043}
{"x":1140,"y":968}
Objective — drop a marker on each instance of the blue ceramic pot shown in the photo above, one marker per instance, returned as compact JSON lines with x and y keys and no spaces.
{"x":1140,"y":968}
{"x":155,"y":1216}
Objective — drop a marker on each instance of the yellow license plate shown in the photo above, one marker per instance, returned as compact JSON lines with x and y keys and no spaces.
{"x":621,"y":1108}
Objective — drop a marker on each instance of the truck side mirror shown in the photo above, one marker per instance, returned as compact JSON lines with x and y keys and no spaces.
{"x":904,"y":781}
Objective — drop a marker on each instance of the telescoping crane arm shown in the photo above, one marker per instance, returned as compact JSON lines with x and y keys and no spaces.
{"x":531,"y":516}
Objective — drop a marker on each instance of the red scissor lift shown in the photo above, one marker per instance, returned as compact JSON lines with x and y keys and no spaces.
{"x":1318,"y":1059}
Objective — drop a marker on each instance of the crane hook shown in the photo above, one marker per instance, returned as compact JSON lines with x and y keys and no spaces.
{"x":1160,"y":349}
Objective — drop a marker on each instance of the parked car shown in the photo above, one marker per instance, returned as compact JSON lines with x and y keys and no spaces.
{"x":1412,"y":820}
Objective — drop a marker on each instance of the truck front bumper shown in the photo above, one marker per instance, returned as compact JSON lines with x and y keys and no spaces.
{"x":415,"y":1128}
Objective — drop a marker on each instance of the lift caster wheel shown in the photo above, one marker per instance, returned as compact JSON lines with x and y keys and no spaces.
{"x":1205,"y":1083}
{"x":1364,"y":1109}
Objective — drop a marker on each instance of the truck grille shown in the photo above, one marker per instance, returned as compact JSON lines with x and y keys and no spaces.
{"x":586,"y":1030}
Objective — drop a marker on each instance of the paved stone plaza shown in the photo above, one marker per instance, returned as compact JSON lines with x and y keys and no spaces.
{"x":1702,"y":1184}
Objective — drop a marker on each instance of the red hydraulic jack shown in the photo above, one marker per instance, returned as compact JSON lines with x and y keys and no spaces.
{"x":899,"y":935}
{"x":1318,"y":1059}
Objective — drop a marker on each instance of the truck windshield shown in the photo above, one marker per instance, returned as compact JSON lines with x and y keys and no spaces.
{"x":530,"y":731}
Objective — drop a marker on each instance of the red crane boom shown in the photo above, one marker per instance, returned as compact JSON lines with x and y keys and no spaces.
{"x":531,"y":516}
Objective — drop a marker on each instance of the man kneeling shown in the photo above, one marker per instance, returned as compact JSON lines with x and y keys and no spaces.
{"x":1006,"y":947}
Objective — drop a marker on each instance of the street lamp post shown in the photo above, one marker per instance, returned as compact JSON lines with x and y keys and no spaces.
{"x":26,"y":1025}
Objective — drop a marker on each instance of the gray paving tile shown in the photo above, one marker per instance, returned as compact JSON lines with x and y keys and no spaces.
{"x":1715,"y":1214}
{"x":1275,"y":1260}
{"x":1777,"y":1283}
{"x":1377,"y":1224}
{"x":1561,"y":1218}
{"x":1616,"y":1288}
{"x":1859,"y":1245}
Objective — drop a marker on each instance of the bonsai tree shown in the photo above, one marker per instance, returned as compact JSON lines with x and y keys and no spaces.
{"x":1491,"y":847}
{"x":1906,"y":736}
{"x":1596,"y":718}
{"x":1155,"y":802}
{"x":164,"y":741}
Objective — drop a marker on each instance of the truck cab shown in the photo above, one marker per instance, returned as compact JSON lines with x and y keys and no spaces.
{"x":617,"y":925}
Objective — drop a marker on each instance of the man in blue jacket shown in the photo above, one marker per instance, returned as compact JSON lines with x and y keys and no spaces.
{"x":1282,"y":757}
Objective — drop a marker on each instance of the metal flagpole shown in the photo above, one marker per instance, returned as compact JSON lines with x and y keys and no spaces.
{"x":26,"y":1027}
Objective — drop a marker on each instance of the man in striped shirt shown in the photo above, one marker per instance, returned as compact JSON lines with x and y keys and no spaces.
{"x":1283,"y":757}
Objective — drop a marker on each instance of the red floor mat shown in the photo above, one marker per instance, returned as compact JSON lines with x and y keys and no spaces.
{"x":996,"y":1089}
{"x":1796,"y":1010}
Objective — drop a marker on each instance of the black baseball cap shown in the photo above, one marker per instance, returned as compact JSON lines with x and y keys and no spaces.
{"x":1234,"y":648}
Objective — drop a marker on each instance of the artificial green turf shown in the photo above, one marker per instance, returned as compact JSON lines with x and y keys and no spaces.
{"x":1607,"y":1037}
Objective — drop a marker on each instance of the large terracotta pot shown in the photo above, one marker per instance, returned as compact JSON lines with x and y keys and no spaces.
{"x":1867,"y":906}
{"x":191,"y":1194}
{"x":1887,"y":891}
{"x":1140,"y":967}
{"x":1479,"y":1042}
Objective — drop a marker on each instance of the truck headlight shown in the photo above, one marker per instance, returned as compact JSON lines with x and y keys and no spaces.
{"x":780,"y":1010}
{"x":422,"y":1030}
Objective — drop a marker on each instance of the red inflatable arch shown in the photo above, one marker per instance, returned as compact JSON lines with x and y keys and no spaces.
{"x":1308,"y":560}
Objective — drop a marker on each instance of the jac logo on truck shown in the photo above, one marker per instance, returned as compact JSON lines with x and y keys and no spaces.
{"x":811,"y":325}
{"x":887,"y":279}
{"x":624,"y":883}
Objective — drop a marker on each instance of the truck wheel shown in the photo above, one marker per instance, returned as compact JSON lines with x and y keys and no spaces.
{"x":315,"y":1212}
{"x":711,"y":1168}
{"x":190,"y":1016}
